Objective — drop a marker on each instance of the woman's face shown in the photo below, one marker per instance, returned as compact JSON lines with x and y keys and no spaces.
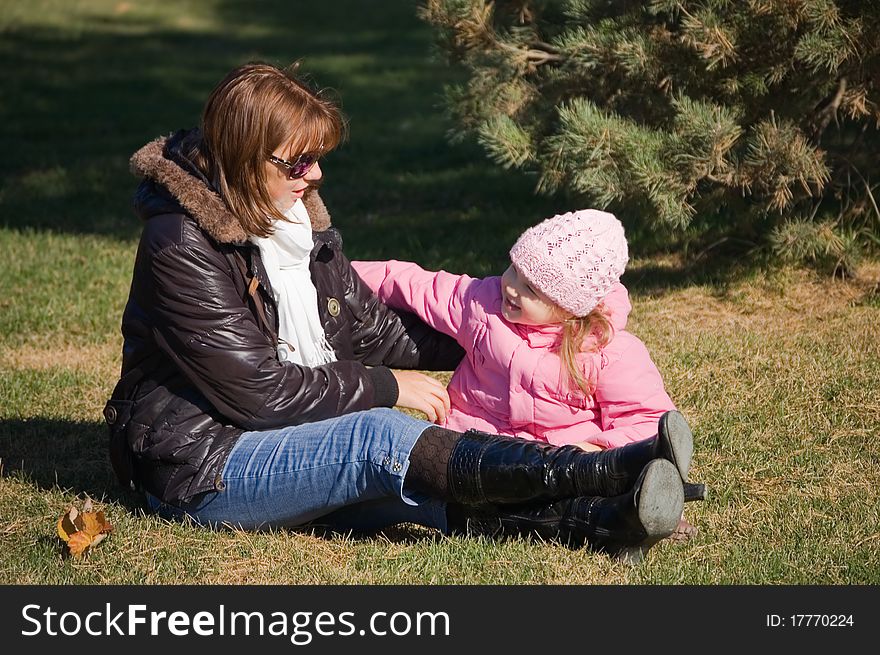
{"x":522,"y":303}
{"x":285,"y":192}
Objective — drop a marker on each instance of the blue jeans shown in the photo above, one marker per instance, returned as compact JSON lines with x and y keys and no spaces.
{"x":344,"y":473}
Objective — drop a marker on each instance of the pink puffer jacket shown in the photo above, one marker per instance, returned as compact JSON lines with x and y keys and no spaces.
{"x":511,"y":380}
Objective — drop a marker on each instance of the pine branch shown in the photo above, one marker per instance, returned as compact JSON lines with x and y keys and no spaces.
{"x":667,"y":108}
{"x":507,"y":143}
{"x":705,"y":33}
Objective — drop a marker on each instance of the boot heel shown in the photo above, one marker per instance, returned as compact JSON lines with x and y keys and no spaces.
{"x":695,"y":491}
{"x":634,"y":555}
{"x":659,"y":502}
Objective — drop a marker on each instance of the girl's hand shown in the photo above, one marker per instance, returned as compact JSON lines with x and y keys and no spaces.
{"x":586,"y":445}
{"x":424,"y":393}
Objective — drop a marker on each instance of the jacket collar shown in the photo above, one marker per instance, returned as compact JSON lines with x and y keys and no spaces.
{"x":165,"y":162}
{"x":544,"y":336}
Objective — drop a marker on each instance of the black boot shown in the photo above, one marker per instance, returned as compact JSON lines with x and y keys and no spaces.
{"x":487,"y":468}
{"x":624,"y":526}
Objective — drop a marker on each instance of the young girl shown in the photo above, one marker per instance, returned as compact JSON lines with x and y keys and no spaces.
{"x":547,"y":353}
{"x":548,"y":357}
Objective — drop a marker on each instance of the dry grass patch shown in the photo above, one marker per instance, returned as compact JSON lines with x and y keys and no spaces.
{"x":790,"y":300}
{"x":102,"y":359}
{"x":68,"y":380}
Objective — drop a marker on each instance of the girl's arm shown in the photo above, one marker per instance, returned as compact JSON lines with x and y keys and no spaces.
{"x":436,"y":298}
{"x":630,"y":394}
{"x":383,"y":336}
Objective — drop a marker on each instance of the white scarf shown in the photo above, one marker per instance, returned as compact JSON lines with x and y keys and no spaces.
{"x":285,"y":254}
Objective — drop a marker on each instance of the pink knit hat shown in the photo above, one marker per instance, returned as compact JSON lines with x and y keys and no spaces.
{"x":573,"y":258}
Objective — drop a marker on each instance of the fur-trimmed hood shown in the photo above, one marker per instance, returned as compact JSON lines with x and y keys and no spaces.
{"x":164,"y":161}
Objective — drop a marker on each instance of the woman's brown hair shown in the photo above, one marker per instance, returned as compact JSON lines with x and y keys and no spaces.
{"x":584,"y":334}
{"x":251,"y":113}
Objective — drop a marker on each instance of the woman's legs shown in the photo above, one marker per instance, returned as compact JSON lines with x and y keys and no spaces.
{"x":485,"y":468}
{"x":291,"y":476}
{"x":348,"y":473}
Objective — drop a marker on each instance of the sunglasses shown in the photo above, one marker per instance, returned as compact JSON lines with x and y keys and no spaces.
{"x":299,"y":166}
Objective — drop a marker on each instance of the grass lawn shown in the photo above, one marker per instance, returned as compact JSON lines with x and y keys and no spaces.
{"x":778,"y":371}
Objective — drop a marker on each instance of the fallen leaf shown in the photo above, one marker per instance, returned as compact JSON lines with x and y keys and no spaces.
{"x":79,"y":543}
{"x":91,"y":525}
{"x":69,"y":523}
{"x":63,"y":534}
{"x":82,"y":530}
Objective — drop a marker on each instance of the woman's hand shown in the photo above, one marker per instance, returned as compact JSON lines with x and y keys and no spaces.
{"x":586,"y":445}
{"x":424,"y":393}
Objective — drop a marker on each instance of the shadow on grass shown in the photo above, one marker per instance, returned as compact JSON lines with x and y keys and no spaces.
{"x":718,"y":271}
{"x":86,"y":99}
{"x":66,"y":455}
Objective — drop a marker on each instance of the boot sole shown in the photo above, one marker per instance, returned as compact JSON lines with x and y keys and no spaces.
{"x":678,"y":442}
{"x":661,"y":500}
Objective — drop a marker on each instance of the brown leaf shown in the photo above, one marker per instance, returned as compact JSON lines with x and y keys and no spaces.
{"x":94,"y":524}
{"x":91,"y":526}
{"x":82,"y":530}
{"x":79,"y":543}
{"x":69,"y":523}
{"x":63,"y":534}
{"x":106,"y":526}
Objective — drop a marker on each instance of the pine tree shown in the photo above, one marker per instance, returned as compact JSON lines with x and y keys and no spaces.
{"x":753,"y":119}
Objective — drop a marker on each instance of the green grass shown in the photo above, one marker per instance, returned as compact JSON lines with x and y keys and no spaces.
{"x":778,"y":372}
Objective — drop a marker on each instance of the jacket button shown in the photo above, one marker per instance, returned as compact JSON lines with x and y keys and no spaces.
{"x":219,"y":485}
{"x":333,"y":307}
{"x":110,"y":414}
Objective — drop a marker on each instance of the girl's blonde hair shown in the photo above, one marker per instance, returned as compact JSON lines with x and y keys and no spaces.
{"x":584,"y":334}
{"x":256,"y":109}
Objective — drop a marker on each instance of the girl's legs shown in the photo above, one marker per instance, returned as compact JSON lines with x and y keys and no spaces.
{"x":293,"y":475}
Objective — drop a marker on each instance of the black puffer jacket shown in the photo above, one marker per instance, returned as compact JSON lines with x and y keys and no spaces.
{"x":200,"y":329}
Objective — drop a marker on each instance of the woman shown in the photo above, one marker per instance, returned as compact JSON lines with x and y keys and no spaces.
{"x":256,"y":388}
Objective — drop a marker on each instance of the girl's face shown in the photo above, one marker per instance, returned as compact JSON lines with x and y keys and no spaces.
{"x":285,"y":192}
{"x":523,"y":304}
